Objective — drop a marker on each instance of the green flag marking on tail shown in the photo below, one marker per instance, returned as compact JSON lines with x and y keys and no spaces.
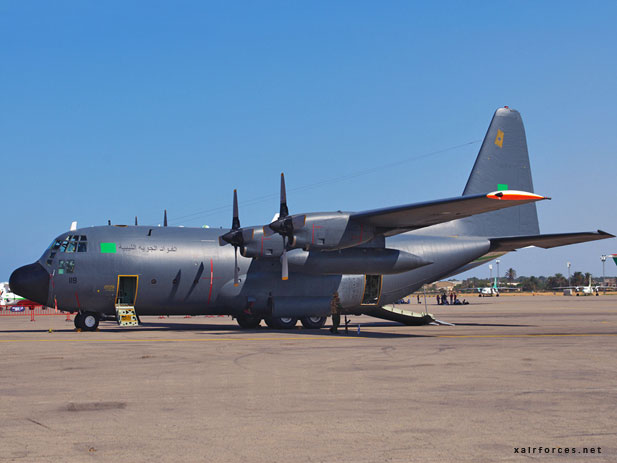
{"x":614,"y":256}
{"x":108,"y":248}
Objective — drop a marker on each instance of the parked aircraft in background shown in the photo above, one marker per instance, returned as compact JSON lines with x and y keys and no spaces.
{"x":299,"y":265}
{"x":8,"y":298}
{"x":11,"y":301}
{"x":588,"y":290}
{"x":489,"y":291}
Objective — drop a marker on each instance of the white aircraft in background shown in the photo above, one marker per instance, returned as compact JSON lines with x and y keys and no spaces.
{"x":489,"y":291}
{"x":7,"y":298}
{"x":586,"y":290}
{"x":486,"y":291}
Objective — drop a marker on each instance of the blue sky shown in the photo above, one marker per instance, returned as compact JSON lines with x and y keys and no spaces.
{"x":116,"y":109}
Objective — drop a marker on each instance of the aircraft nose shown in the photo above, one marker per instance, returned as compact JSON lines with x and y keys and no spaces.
{"x":31,"y":281}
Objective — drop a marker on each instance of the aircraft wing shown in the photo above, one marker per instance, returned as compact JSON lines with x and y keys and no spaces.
{"x":512,"y":243}
{"x":399,"y":219}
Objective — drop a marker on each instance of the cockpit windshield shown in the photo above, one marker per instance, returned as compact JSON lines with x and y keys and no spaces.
{"x":68,"y":244}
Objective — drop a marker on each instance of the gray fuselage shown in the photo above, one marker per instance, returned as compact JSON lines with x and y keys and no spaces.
{"x":185,"y":271}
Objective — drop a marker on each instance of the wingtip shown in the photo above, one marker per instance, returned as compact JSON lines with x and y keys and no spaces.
{"x":515,"y":195}
{"x":607,"y":234}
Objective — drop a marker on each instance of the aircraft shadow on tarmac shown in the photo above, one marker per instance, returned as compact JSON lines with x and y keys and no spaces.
{"x":497,"y":324}
{"x":218,"y":329}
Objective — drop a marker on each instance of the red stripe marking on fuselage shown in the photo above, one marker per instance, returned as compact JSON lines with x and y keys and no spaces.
{"x":77,"y":299}
{"x":211,"y":279}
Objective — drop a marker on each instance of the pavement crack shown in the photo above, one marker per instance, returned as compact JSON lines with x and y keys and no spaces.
{"x":37,"y":423}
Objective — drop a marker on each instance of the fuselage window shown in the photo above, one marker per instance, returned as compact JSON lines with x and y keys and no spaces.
{"x":81,"y":247}
{"x":66,"y":266}
{"x":71,"y":246}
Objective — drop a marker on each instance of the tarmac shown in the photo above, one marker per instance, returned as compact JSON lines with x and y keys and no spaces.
{"x":513,"y":373}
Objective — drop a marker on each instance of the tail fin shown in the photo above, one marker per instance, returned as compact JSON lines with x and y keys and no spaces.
{"x":502,"y":164}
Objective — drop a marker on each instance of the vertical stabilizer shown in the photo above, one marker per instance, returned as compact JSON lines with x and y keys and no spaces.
{"x":502,"y":164}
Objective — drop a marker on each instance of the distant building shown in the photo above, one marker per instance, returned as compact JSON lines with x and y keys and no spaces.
{"x":446,"y":285}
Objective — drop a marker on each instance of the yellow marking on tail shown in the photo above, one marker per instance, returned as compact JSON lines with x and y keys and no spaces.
{"x":499,"y":138}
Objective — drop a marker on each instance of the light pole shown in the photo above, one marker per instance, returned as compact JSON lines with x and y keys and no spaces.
{"x":497,"y":262}
{"x":603,"y":258}
{"x":568,"y":264}
{"x":490,"y":268}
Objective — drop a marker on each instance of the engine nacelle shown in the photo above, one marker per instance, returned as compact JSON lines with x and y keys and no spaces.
{"x":257,"y":244}
{"x":331,"y":231}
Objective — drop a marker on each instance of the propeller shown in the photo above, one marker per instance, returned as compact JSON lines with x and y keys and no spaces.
{"x":165,"y":218}
{"x":135,"y":220}
{"x":284,"y":226}
{"x":235,"y":237}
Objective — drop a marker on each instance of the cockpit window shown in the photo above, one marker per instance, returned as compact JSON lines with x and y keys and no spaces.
{"x":66,"y":266}
{"x":72,"y":243}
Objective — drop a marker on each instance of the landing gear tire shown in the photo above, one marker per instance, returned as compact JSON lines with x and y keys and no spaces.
{"x":78,"y":320}
{"x":281,"y":323}
{"x":87,"y":321}
{"x":248,"y":322}
{"x":313,"y":323}
{"x":91,"y":320}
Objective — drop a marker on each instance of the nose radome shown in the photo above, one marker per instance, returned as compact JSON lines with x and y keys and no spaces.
{"x":31,"y":281}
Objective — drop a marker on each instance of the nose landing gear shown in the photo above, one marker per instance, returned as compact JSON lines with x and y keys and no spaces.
{"x":87,"y":321}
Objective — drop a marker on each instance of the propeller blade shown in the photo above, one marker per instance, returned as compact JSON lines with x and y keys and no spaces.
{"x":108,"y":222}
{"x":135,"y":220}
{"x":165,"y":218}
{"x":284,"y":266}
{"x":284,"y":212}
{"x":235,"y":265}
{"x":235,"y":222}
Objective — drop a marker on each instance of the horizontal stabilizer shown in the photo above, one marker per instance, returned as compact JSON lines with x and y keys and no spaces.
{"x":512,"y":243}
{"x":419,"y":215}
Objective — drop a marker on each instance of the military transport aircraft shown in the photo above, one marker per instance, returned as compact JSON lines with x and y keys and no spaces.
{"x":291,"y":268}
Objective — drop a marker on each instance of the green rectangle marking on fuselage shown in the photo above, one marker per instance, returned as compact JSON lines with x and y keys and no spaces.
{"x":502,"y":186}
{"x":108,"y":248}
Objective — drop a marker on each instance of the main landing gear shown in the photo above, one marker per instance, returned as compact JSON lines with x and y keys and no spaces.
{"x":87,"y":321}
{"x":250,"y":322}
{"x":281,"y":323}
{"x":313,"y":323}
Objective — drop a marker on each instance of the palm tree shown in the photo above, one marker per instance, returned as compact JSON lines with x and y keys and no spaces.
{"x":510,"y":275}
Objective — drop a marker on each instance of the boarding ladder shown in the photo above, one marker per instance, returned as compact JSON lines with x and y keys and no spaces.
{"x":126,"y":316}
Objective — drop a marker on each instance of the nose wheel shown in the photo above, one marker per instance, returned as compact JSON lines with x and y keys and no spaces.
{"x":87,"y":321}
